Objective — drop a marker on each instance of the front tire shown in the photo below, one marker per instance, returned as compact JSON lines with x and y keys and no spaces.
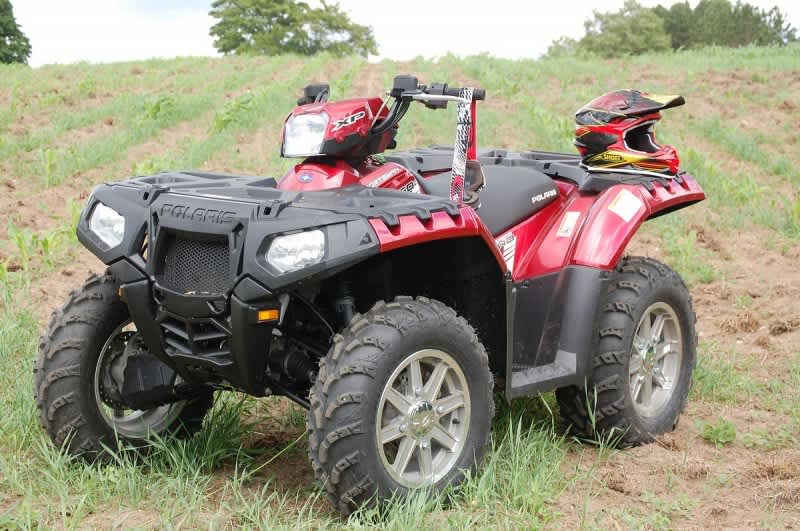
{"x":68,"y":378}
{"x":403,"y":400}
{"x":643,"y":362}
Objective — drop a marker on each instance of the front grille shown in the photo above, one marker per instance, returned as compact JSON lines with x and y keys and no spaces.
{"x":208,"y":339}
{"x":195,"y":267}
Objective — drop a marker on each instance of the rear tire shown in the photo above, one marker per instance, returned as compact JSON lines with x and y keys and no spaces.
{"x":66,"y":394}
{"x":356,"y":433}
{"x":643,"y":295}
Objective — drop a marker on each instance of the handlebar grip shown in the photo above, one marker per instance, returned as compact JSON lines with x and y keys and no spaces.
{"x":477,"y":94}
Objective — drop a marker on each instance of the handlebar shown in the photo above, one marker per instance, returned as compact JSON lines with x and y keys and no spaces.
{"x":406,"y":89}
{"x":477,"y":94}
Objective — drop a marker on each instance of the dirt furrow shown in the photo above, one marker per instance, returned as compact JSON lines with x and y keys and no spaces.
{"x":48,"y":209}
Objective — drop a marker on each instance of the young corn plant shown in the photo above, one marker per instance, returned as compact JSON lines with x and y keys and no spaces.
{"x":158,"y":107}
{"x":48,"y":162}
{"x":24,"y":240}
{"x":149,"y":167}
{"x":75,"y":210}
{"x":233,"y":112}
{"x":46,"y":244}
{"x":793,"y":217}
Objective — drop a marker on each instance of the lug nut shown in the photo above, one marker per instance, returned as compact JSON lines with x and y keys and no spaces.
{"x":439,"y":409}
{"x":402,"y":428}
{"x":423,"y":444}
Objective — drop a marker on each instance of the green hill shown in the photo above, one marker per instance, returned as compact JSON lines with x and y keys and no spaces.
{"x":64,"y":129}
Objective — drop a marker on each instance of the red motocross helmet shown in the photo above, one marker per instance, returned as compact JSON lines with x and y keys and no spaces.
{"x":616,"y":132}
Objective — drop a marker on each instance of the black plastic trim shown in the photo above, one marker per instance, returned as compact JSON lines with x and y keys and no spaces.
{"x":551,"y":329}
{"x":250,"y":213}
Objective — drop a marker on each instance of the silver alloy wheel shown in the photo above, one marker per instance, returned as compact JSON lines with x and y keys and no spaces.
{"x":423,"y":418}
{"x":655,"y":360}
{"x":131,"y":424}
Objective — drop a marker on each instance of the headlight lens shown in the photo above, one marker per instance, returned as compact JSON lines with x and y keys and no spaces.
{"x":296,"y":251}
{"x":107,"y":224}
{"x":303,"y":135}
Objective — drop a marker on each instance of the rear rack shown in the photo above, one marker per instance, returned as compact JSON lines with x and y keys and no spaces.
{"x":566,"y":166}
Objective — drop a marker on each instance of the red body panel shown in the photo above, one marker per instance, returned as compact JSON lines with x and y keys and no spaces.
{"x":591,"y":229}
{"x":412,"y":231}
{"x":389,"y":175}
{"x":539,"y":247}
{"x":310,"y":175}
{"x":606,"y":233}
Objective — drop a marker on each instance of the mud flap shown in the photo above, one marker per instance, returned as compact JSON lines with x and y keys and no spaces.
{"x":550,"y":329}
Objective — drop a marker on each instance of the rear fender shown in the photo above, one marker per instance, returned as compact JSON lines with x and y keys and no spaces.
{"x":552,"y":310}
{"x":619,"y":212}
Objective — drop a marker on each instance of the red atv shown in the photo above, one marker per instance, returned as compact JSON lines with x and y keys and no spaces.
{"x":386,"y":294}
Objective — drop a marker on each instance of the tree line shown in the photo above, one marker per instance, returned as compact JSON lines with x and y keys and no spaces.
{"x":636,"y":29}
{"x":273,"y":27}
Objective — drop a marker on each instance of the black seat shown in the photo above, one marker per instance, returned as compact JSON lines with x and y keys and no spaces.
{"x":511,"y":194}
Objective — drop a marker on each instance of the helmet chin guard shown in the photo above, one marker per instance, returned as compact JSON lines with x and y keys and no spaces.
{"x":616,"y":133}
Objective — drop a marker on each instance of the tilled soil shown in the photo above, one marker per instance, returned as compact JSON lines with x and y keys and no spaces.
{"x":750,"y":312}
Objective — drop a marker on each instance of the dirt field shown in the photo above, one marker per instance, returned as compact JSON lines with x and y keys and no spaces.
{"x":739,"y":252}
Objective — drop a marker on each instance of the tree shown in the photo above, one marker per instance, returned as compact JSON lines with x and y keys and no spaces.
{"x":273,"y":27}
{"x":630,"y":31}
{"x":14,"y":45}
{"x":635,"y":29}
{"x":678,"y":21}
{"x":720,"y":23}
{"x":562,"y":46}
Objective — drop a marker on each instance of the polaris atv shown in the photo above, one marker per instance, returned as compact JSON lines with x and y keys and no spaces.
{"x":385,"y":293}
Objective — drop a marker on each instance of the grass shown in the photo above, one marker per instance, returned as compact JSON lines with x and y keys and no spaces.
{"x":685,"y":256}
{"x":247,"y":468}
{"x":723,"y":377}
{"x":654,"y":512}
{"x":177,"y":482}
{"x":144,"y":119}
{"x":718,"y":433}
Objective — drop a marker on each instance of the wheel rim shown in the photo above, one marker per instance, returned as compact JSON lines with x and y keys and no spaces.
{"x":423,"y":418}
{"x":128,"y":423}
{"x":655,"y":361}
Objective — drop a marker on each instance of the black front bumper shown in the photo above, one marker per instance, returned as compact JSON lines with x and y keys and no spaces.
{"x":194,"y":274}
{"x":206,"y":339}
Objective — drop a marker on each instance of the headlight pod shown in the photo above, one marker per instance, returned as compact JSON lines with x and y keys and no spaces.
{"x":296,"y":251}
{"x":303,"y":135}
{"x":107,"y":224}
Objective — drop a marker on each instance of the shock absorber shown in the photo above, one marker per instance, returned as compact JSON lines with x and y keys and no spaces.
{"x":344,"y":305}
{"x":295,"y":365}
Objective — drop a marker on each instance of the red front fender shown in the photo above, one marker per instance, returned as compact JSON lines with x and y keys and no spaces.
{"x":441,"y":225}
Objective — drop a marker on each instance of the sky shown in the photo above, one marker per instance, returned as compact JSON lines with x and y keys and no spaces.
{"x":101,"y":31}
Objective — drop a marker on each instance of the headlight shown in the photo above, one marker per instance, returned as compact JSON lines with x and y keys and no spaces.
{"x":303,"y":135}
{"x":107,"y":224}
{"x":296,"y":251}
